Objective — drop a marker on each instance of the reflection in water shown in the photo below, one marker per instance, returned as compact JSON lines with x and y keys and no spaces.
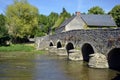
{"x":80,"y":71}
{"x":114,"y":58}
{"x":117,"y":77}
{"x":16,"y":66}
{"x":25,"y":66}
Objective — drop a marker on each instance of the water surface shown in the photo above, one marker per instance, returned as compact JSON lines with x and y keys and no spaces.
{"x":27,"y":66}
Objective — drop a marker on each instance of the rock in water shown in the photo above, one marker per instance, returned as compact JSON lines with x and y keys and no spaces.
{"x":98,"y":60}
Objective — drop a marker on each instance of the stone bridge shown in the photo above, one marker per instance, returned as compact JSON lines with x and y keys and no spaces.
{"x":102,"y":41}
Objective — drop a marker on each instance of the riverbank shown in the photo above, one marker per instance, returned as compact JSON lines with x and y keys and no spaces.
{"x":20,"y":48}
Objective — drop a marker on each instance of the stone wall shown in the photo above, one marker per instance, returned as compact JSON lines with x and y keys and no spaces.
{"x":75,"y":24}
{"x":42,"y":42}
{"x":102,"y":40}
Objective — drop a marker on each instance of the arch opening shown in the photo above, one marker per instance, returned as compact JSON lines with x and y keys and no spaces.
{"x":87,"y":49}
{"x":114,"y":59}
{"x":59,"y":45}
{"x":69,"y":46}
{"x":51,"y":44}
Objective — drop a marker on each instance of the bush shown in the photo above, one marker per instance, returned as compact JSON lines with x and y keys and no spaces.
{"x":4,"y":40}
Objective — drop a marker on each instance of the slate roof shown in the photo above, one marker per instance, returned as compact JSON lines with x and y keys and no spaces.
{"x":93,"y":20}
{"x":98,"y":20}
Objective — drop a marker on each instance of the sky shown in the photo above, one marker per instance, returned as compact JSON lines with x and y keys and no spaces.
{"x":47,"y":6}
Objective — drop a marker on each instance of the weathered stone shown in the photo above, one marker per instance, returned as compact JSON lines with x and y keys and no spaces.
{"x":52,"y":49}
{"x":75,"y":55}
{"x":98,"y":60}
{"x":62,"y":52}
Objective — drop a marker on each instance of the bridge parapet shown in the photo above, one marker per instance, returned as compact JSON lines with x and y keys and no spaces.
{"x":105,"y":41}
{"x":101,"y":39}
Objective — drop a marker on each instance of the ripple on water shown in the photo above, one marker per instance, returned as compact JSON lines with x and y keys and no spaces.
{"x":49,"y":67}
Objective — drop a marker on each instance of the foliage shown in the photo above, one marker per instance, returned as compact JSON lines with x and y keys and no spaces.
{"x":52,"y":18}
{"x":42,"y":21}
{"x":39,"y":33}
{"x":3,"y":29}
{"x":59,"y":22}
{"x":115,"y":12}
{"x":63,"y":16}
{"x":4,"y":40}
{"x":96,"y":10}
{"x":46,"y":23}
{"x":21,"y":18}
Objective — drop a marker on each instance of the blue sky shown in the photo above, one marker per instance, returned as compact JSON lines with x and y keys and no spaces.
{"x":47,"y":6}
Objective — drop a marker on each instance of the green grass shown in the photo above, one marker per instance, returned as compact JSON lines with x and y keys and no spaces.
{"x":20,"y":48}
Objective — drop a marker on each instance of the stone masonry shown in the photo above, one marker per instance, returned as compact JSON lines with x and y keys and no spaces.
{"x":101,"y":40}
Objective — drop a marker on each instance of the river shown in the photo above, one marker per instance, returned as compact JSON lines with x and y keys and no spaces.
{"x":27,"y":66}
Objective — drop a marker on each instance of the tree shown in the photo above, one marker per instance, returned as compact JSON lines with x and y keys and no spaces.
{"x":63,"y":16}
{"x":22,"y":19}
{"x":96,"y":10}
{"x":115,"y":12}
{"x":52,"y":18}
{"x":42,"y":21}
{"x":3,"y":29}
{"x":46,"y":23}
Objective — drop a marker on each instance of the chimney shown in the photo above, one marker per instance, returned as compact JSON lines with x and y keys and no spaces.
{"x":77,"y":13}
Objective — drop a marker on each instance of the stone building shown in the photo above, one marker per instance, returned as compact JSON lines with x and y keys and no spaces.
{"x":86,"y":21}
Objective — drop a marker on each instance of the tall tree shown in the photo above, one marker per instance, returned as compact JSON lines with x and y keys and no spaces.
{"x":22,"y":18}
{"x":46,"y":23}
{"x":42,"y":21}
{"x":52,"y":18}
{"x":115,"y":12}
{"x":96,"y":10}
{"x":63,"y":16}
{"x":3,"y":29}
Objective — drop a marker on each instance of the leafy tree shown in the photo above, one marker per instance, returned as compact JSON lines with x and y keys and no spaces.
{"x":96,"y":10}
{"x":46,"y":23}
{"x":22,"y":19}
{"x":63,"y":16}
{"x":42,"y":21}
{"x":115,"y":12}
{"x":52,"y":18}
{"x":3,"y":29}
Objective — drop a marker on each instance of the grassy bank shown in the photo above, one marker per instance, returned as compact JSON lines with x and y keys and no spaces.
{"x":20,"y":48}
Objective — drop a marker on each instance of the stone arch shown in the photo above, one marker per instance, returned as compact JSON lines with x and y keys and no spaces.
{"x":87,"y":49}
{"x":69,"y":46}
{"x":114,"y":59}
{"x":51,"y":43}
{"x":59,"y":45}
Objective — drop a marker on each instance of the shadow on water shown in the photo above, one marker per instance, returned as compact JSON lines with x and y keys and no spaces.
{"x":24,"y":66}
{"x":117,"y":77}
{"x":114,"y":58}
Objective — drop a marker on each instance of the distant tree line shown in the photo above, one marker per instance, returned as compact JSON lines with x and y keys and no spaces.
{"x":22,"y":21}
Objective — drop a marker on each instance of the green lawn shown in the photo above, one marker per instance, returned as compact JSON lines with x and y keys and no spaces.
{"x":20,"y":48}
